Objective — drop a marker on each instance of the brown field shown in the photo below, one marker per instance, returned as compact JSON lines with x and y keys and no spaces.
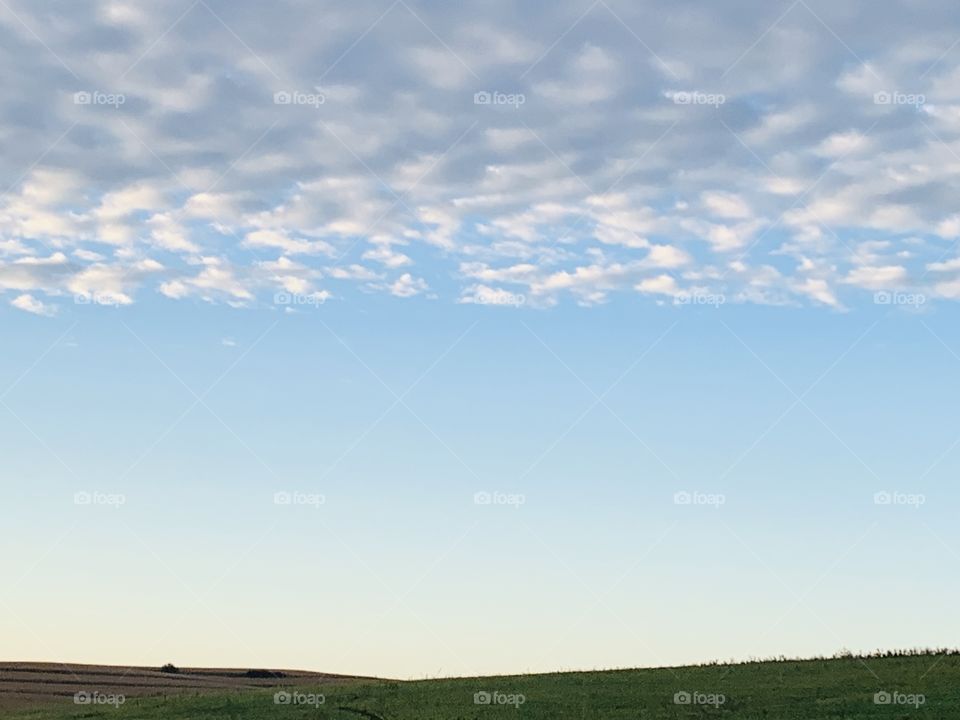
{"x":27,"y":684}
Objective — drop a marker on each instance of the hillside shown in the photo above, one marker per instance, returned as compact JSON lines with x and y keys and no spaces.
{"x":918,"y":686}
{"x":31,"y":684}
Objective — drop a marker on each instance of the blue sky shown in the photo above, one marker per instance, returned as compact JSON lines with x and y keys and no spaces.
{"x":384,"y":562}
{"x":414,"y":339}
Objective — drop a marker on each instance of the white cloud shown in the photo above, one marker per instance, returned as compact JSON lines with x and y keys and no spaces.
{"x":167,"y":234}
{"x":819,"y":290}
{"x":280,"y":240}
{"x":175,"y":289}
{"x":659,"y":285}
{"x":949,"y":289}
{"x":388,"y":257}
{"x":949,"y":227}
{"x":120,"y":203}
{"x":726,"y":205}
{"x":877,"y":278}
{"x":407,"y":286}
{"x":724,"y":238}
{"x":666,"y":256}
{"x":952,"y":264}
{"x":352,"y":272}
{"x":843,"y":143}
{"x":485,"y":295}
{"x":595,"y":182}
{"x":107,"y":282}
{"x":217,"y":279}
{"x":58,"y":258}
{"x":28,"y":303}
{"x":776,"y":126}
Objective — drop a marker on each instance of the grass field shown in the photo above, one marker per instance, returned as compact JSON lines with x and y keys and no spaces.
{"x":922,"y":686}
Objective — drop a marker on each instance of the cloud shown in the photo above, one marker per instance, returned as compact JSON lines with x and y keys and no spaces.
{"x":216,"y":280}
{"x":591,"y":77}
{"x":952,"y":264}
{"x":660,"y":285}
{"x":599,"y":182}
{"x":28,"y":303}
{"x":388,"y":257}
{"x":167,"y":234}
{"x":818,"y":289}
{"x":949,"y":227}
{"x":407,"y":286}
{"x":485,"y":295}
{"x":726,"y":205}
{"x":280,"y":240}
{"x":666,"y":256}
{"x":843,"y":143}
{"x":58,"y":258}
{"x":877,"y":278}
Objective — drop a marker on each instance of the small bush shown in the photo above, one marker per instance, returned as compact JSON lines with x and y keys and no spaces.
{"x":170,"y":668}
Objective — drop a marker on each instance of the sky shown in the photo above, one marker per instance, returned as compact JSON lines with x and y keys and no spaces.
{"x":416,"y":339}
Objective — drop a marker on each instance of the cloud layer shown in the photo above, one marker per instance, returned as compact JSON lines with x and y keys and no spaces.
{"x":803,"y":153}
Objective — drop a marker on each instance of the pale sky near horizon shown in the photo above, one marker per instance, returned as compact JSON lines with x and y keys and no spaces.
{"x":412,"y":339}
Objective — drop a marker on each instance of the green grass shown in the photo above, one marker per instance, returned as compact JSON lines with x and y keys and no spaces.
{"x":786,"y":690}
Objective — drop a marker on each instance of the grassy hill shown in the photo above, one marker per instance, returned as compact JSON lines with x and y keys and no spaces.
{"x":916,"y":686}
